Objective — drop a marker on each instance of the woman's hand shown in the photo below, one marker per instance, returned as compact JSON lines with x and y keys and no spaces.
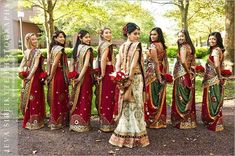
{"x":222,"y":80}
{"x":192,"y":75}
{"x":100,"y":78}
{"x":159,"y":77}
{"x":49,"y":78}
{"x":161,"y":80}
{"x":77,"y":80}
{"x":128,"y":83}
{"x":28,"y":78}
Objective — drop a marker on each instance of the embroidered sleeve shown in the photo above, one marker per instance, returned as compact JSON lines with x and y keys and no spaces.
{"x":152,"y":47}
{"x":215,"y":52}
{"x":183,"y":49}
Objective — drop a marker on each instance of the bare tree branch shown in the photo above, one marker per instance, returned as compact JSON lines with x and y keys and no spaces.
{"x":40,"y":2}
{"x":37,"y":5}
{"x":164,"y":3}
{"x":54,"y":4}
{"x":70,"y":2}
{"x":64,"y":15}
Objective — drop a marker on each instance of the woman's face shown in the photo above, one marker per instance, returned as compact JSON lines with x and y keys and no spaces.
{"x":181,"y":38}
{"x":86,"y":39}
{"x":60,"y":38}
{"x":134,"y":36}
{"x":34,"y":41}
{"x":107,"y":34}
{"x":212,"y":41}
{"x":153,"y":36}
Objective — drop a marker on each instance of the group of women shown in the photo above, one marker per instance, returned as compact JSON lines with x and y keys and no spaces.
{"x":142,"y":103}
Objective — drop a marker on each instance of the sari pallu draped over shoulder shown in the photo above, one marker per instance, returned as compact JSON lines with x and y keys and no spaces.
{"x":131,"y":128}
{"x":155,"y":106}
{"x":32,"y":94}
{"x":183,"y":112}
{"x":81,"y":96}
{"x":213,"y":95}
{"x":58,"y":91}
{"x":106,"y":89}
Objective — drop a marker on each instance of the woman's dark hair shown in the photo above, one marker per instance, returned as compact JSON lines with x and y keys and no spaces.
{"x":160,"y":36}
{"x":54,"y":42}
{"x":219,"y":39}
{"x":129,"y":28}
{"x":80,"y":35}
{"x":188,"y":40}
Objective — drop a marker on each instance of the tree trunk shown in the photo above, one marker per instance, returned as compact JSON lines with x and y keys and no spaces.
{"x":51,"y":18}
{"x":184,"y":13}
{"x":229,"y":34}
{"x":200,"y":40}
{"x":46,"y":29}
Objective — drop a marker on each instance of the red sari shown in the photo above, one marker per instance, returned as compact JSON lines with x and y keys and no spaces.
{"x":183,"y":111}
{"x":32,"y":95}
{"x":58,"y":92}
{"x":81,"y":96}
{"x":106,"y":92}
{"x":155,"y":106}
{"x":213,"y":95}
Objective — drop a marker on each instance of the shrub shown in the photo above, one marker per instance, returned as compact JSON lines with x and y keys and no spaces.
{"x":201,"y":52}
{"x":19,"y":58}
{"x":14,"y":52}
{"x":172,"y":51}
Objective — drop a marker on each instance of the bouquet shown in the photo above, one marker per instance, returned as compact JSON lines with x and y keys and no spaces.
{"x":226,"y":73}
{"x":120,"y":78}
{"x":72,"y":75}
{"x":23,"y":74}
{"x":43,"y":76}
{"x":168,"y":77}
{"x":199,"y":69}
{"x":96,"y":72}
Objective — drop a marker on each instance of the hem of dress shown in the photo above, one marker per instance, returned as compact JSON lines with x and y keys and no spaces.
{"x":129,"y":141}
{"x":107,"y":128}
{"x":79,"y":128}
{"x":33,"y":127}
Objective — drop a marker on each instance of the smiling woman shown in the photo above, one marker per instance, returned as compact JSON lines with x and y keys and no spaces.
{"x":58,"y":91}
{"x":183,"y":113}
{"x":32,"y":93}
{"x":106,"y":87}
{"x":81,"y":96}
{"x":213,"y":84}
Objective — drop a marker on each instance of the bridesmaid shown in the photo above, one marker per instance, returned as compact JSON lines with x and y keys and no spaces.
{"x":183,"y":113}
{"x":106,"y":88}
{"x":213,"y":84}
{"x":32,"y":93}
{"x":81,"y":97}
{"x":58,"y":91}
{"x":157,"y":66}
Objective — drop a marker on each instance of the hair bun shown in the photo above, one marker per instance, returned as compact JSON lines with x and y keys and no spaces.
{"x":124,"y":30}
{"x":129,"y":28}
